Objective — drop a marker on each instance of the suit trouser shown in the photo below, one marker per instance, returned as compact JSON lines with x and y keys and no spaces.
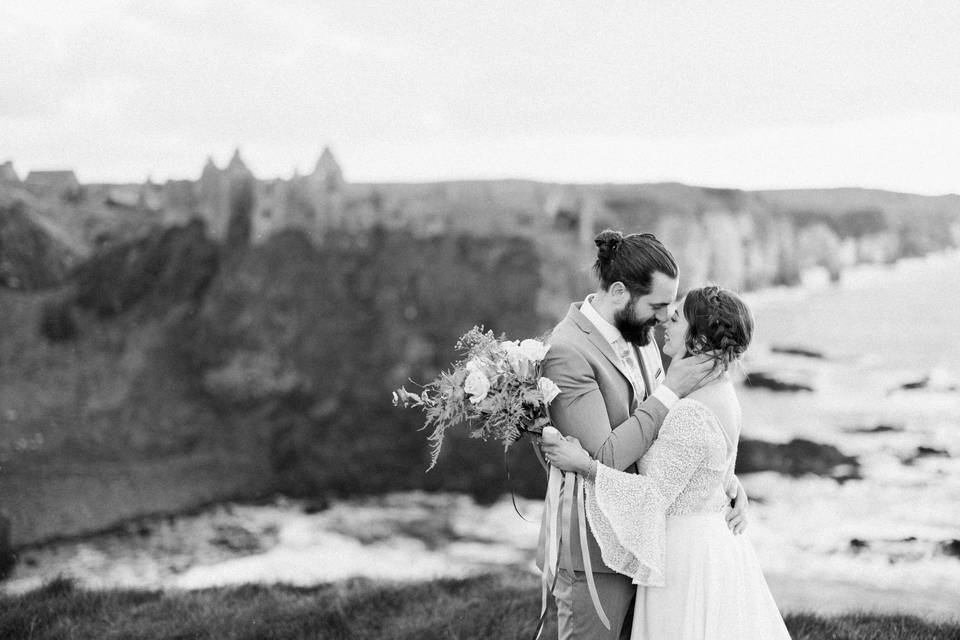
{"x":576,"y":617}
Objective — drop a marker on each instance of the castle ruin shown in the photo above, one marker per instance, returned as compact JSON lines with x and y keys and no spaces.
{"x":314,"y":203}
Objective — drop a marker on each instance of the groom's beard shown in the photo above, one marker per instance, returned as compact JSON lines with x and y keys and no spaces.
{"x":635,"y":331}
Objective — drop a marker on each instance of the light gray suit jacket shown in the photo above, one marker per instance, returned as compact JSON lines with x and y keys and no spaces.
{"x":597,"y":405}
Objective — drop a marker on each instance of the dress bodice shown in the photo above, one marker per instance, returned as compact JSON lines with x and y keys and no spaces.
{"x":687,"y":470}
{"x":692,"y":459}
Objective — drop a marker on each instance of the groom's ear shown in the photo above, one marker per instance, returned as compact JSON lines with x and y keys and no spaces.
{"x":618,"y":291}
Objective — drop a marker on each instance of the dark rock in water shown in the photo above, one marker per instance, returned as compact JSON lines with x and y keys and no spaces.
{"x":236,"y":538}
{"x":950,"y":548}
{"x":8,"y":559}
{"x":927,"y":383}
{"x":766,"y":381}
{"x":925,"y":452}
{"x":880,"y":428}
{"x":857,"y":544}
{"x":798,"y":351}
{"x":918,"y":384}
{"x":795,"y":458}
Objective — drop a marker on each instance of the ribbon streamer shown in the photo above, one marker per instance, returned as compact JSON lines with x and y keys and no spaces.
{"x":587,"y":568}
{"x":513,"y":495}
{"x":551,"y":560}
{"x":558,"y":520}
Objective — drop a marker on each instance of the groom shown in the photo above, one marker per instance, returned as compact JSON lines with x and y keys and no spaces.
{"x":613,"y":398}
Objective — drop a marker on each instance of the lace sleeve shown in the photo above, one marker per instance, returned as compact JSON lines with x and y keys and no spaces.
{"x":627,"y":512}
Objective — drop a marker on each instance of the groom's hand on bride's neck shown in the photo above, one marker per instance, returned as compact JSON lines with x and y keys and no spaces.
{"x":685,"y":375}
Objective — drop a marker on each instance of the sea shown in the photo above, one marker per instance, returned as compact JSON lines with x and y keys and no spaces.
{"x":880,"y":351}
{"x":887,"y":391}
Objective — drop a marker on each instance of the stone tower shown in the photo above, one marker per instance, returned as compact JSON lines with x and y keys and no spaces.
{"x":8,"y":173}
{"x":218,"y":192}
{"x":241,"y":202}
{"x":328,"y":171}
{"x":212,"y":199}
{"x":325,"y":186}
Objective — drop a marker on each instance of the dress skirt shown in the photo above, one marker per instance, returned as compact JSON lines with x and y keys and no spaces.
{"x":714,"y":589}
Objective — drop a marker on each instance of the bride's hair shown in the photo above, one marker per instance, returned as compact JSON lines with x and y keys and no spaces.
{"x":632,"y":260}
{"x":719,"y":324}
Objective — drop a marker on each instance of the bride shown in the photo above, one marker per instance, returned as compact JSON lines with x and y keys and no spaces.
{"x":665,"y":527}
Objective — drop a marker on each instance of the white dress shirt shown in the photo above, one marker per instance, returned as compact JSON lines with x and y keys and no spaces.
{"x":612,"y":335}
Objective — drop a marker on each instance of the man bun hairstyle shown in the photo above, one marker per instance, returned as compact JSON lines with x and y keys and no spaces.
{"x":719,"y":324}
{"x":632,"y":260}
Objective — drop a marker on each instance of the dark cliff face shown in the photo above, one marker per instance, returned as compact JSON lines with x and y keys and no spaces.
{"x":304,"y":344}
{"x":208,"y":372}
{"x":165,"y":267}
{"x":249,"y":370}
{"x":30,"y":257}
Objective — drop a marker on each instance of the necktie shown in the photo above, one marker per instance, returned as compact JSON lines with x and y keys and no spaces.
{"x":629,"y":360}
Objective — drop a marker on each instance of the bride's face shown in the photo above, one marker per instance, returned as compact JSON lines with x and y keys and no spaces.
{"x":675,"y":332}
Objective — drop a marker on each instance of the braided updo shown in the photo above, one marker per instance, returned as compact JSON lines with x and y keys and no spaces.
{"x":719,"y":324}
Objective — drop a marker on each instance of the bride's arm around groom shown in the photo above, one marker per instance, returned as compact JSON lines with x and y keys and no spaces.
{"x":584,"y":411}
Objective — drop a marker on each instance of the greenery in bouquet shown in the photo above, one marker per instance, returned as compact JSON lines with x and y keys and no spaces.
{"x":497,"y":389}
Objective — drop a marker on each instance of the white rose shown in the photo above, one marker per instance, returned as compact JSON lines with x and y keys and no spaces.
{"x":514,"y":356}
{"x":533,"y":350}
{"x":476,"y":386}
{"x":510,"y":346}
{"x":548,"y":388}
{"x":474,"y":366}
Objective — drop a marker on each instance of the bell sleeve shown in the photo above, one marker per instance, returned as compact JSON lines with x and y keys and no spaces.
{"x":627,"y":512}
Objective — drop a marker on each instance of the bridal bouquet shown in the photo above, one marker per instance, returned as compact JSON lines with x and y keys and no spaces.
{"x":496,"y":389}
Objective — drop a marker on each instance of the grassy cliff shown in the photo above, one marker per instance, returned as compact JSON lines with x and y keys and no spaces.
{"x":500,"y":606}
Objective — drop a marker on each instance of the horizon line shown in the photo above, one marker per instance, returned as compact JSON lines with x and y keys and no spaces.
{"x":509,"y":178}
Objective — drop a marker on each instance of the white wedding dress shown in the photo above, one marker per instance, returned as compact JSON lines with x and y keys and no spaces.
{"x":666,"y":528}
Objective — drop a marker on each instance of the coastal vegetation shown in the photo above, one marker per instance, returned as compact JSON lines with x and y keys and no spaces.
{"x":503,"y":605}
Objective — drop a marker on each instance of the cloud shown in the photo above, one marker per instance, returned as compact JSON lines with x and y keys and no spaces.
{"x":156,"y":85}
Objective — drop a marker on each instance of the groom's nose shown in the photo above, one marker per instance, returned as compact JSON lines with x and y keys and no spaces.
{"x":661,"y":315}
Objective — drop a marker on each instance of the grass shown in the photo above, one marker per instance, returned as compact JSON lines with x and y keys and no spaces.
{"x":502,"y":606}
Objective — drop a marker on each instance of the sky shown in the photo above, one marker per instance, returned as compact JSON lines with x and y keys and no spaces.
{"x":746,"y":94}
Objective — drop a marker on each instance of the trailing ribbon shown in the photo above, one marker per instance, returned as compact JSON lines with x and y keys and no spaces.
{"x":561,"y":488}
{"x":587,"y":568}
{"x":513,"y":496}
{"x":551,"y":560}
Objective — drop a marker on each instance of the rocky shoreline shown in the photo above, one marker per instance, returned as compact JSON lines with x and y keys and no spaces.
{"x":408,"y":537}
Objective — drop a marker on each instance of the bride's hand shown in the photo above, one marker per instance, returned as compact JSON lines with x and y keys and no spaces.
{"x":564,"y":453}
{"x":737,"y":516}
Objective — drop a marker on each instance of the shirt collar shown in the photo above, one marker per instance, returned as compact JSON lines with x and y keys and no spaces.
{"x":609,"y":332}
